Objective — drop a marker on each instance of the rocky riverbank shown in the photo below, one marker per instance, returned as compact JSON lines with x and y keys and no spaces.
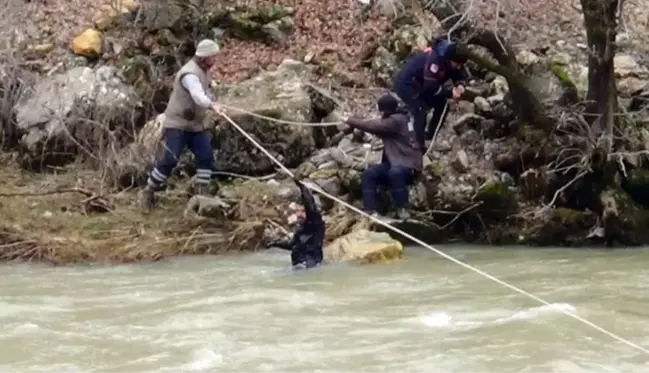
{"x":80,"y":127}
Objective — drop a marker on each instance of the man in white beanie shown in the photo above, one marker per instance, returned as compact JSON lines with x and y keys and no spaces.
{"x":183,"y":124}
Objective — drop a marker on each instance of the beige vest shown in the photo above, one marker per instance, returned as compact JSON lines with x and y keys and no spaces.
{"x":182,"y":113}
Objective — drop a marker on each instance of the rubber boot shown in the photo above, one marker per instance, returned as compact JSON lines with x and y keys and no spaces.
{"x":147,"y":199}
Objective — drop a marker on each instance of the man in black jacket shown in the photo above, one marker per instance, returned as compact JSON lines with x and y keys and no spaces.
{"x":307,"y":241}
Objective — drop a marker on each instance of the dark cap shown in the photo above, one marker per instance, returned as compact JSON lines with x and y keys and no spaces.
{"x":388,"y":104}
{"x":455,"y":54}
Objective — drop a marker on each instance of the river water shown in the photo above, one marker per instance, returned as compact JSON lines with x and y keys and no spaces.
{"x":252,"y":313}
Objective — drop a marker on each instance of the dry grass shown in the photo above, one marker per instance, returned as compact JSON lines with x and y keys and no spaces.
{"x":57,"y":228}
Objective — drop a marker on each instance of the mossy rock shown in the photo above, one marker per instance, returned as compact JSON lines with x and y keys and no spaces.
{"x":572,"y":93}
{"x":498,"y":201}
{"x":559,"y":227}
{"x":351,"y":182}
{"x":637,"y":185}
{"x":248,"y":23}
{"x":530,"y":135}
{"x":624,"y":220}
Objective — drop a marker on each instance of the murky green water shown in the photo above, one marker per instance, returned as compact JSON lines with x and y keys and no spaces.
{"x":251,"y":313}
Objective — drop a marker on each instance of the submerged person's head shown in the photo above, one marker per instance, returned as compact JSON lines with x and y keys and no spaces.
{"x":206,"y":52}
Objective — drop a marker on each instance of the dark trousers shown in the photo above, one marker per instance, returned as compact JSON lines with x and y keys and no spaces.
{"x":175,"y":141}
{"x":419,"y":111}
{"x":397,"y":177}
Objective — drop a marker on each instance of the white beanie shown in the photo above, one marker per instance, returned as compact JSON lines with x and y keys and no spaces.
{"x":207,"y":48}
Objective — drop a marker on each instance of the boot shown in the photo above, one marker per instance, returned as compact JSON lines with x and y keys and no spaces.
{"x":147,"y":199}
{"x":402,"y":214}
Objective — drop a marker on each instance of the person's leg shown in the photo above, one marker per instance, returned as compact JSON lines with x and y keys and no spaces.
{"x":440,"y":111}
{"x":174,"y":142}
{"x":370,"y":180}
{"x":201,"y":146}
{"x":400,"y":178}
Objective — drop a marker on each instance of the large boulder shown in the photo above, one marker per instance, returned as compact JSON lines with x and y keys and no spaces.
{"x":362,"y":247}
{"x":82,"y":111}
{"x":548,"y":79}
{"x":280,"y":94}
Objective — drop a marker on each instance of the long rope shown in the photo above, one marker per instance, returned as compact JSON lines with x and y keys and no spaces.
{"x":441,"y":253}
{"x":276,"y":120}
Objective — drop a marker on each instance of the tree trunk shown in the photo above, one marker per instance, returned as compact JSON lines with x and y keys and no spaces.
{"x":600,"y":20}
{"x":526,"y":104}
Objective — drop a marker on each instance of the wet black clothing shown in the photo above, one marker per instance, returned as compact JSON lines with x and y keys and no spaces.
{"x":306,"y":245}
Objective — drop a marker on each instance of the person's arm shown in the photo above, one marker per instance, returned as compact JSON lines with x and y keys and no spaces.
{"x":193,"y":85}
{"x":310,"y":208}
{"x":375,"y":126}
{"x":458,"y":76}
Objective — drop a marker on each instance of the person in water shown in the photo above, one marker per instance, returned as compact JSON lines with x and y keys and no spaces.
{"x":401,"y":160}
{"x":307,"y":241}
{"x":420,"y":85}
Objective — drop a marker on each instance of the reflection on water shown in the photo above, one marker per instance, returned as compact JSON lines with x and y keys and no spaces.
{"x":252,"y":313}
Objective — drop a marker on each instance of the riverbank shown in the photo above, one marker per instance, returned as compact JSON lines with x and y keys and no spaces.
{"x":70,"y":217}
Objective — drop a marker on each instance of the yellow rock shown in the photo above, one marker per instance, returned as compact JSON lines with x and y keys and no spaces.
{"x":363,"y":246}
{"x":88,"y":44}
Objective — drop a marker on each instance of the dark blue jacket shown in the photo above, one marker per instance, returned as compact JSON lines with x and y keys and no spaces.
{"x":307,"y":241}
{"x":423,"y":76}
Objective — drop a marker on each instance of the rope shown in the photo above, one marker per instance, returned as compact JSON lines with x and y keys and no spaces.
{"x":438,"y":252}
{"x":439,"y":124}
{"x":302,"y":124}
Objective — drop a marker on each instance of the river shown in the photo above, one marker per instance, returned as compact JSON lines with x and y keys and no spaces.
{"x":251,"y":313}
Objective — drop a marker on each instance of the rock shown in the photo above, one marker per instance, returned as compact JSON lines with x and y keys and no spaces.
{"x":327,"y":180}
{"x":108,"y":16}
{"x":624,"y":221}
{"x":362,"y":247}
{"x":126,"y":5}
{"x":482,"y":105}
{"x":558,"y":226}
{"x":552,"y":83}
{"x":384,"y":65}
{"x":209,"y":207}
{"x":167,"y":15}
{"x":465,"y":107}
{"x":626,"y":66}
{"x":406,"y":39}
{"x":461,"y":161}
{"x":88,"y":43}
{"x":466,"y":122}
{"x":278,"y":31}
{"x":533,"y":184}
{"x":269,"y":23}
{"x":72,"y":112}
{"x":498,"y":86}
{"x":527,"y":58}
{"x":39,"y":50}
{"x":280,"y":94}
